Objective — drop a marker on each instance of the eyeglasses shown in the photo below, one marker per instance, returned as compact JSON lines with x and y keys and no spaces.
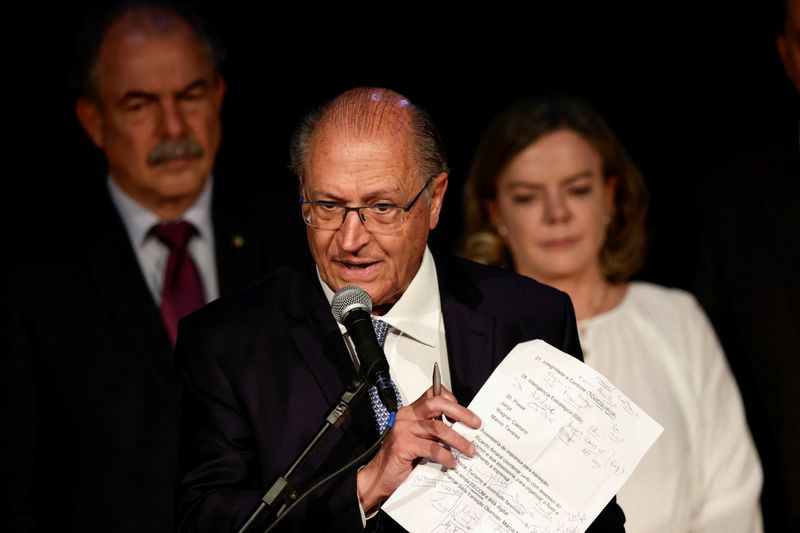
{"x":378,"y":218}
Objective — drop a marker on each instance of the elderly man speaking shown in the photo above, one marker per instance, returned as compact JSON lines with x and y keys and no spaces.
{"x":262,"y":367}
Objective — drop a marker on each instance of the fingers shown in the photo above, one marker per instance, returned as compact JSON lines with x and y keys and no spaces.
{"x":428,"y":407}
{"x":449,"y":439}
{"x":440,"y":455}
{"x":445,"y":393}
{"x":417,"y":433}
{"x":431,"y":437}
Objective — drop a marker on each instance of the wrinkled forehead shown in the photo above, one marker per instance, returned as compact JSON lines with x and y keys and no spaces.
{"x":367,"y":131}
{"x":396,"y":139}
{"x":126,"y":45}
{"x":388,"y":146}
{"x":342,"y":159}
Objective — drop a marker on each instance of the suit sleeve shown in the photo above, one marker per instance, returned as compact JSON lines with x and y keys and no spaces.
{"x":222,"y":470}
{"x":570,"y":341}
{"x":216,"y":471}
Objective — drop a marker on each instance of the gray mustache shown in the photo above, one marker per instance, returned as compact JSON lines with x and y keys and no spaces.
{"x":176,"y":149}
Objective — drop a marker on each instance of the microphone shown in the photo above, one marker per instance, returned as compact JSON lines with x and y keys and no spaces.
{"x":351,"y":307}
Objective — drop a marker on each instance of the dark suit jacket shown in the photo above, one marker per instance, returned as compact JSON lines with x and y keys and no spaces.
{"x":263,"y":366}
{"x":90,"y":396}
{"x":749,"y":283}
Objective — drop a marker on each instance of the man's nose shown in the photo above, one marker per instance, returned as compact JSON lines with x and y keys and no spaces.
{"x":352,"y":234}
{"x":172,"y":123}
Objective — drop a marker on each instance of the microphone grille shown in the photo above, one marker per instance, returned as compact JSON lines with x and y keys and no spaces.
{"x":348,"y":298}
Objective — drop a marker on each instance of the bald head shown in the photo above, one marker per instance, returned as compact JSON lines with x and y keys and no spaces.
{"x":138,"y":18}
{"x":368,"y":113}
{"x":372,"y":113}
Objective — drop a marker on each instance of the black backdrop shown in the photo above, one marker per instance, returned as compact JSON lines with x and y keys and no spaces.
{"x":685,"y":88}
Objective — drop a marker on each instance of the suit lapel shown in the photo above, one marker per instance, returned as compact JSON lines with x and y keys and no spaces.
{"x":470,"y":334}
{"x":255,"y":232}
{"x":320,"y":344}
{"x":122,"y":290}
{"x":470,"y":337}
{"x":238,"y":249}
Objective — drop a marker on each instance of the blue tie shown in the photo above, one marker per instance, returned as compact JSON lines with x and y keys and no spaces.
{"x":381,"y":414}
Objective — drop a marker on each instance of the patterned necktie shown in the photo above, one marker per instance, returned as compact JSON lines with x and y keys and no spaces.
{"x":182,"y":291}
{"x":381,"y":414}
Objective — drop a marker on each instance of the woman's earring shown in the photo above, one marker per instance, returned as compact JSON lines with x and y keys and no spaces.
{"x":606,"y":220}
{"x":502,"y":231}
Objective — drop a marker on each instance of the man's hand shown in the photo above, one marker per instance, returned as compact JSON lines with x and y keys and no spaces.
{"x":417,"y":433}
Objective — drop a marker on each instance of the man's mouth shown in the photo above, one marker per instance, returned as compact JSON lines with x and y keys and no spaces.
{"x":361,"y":270}
{"x":358,"y":266}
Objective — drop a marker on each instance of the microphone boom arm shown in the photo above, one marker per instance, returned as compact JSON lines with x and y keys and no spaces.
{"x":281,"y":494}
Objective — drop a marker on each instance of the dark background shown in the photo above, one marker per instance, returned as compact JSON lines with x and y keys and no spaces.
{"x":685,"y":88}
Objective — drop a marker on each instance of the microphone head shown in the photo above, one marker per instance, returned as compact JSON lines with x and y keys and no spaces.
{"x":348,"y":298}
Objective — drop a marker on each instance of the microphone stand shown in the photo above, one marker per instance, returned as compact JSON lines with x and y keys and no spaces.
{"x":281,"y":494}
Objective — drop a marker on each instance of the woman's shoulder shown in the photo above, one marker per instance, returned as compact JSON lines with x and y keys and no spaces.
{"x":661,"y":299}
{"x":672,"y":310}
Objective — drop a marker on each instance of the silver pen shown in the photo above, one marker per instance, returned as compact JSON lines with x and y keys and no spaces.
{"x":437,"y":387}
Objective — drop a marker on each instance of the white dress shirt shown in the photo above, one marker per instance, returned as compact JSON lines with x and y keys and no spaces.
{"x":152,"y":254}
{"x":415,"y":340}
{"x":703,"y":473}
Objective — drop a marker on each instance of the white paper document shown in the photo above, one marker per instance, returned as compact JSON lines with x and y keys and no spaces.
{"x":557,"y":442}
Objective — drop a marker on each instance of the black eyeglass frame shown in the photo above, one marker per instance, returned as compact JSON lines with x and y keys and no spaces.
{"x":361,"y":217}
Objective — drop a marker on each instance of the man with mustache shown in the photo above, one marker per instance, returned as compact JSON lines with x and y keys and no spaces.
{"x":89,"y":311}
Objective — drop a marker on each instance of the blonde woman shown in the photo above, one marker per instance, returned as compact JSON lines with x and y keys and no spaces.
{"x":553,"y":195}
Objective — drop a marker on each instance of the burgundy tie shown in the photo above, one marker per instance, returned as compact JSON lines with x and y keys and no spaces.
{"x":182,"y":291}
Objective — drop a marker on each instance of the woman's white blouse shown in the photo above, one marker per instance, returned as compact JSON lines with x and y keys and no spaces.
{"x":702,"y":474}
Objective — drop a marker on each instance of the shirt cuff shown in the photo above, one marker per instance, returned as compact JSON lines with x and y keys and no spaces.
{"x":364,"y":516}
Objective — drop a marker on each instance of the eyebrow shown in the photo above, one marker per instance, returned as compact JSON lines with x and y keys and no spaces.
{"x":133,"y":95}
{"x":197,"y":84}
{"x":566,"y":181}
{"x":144,"y":95}
{"x":370,"y":198}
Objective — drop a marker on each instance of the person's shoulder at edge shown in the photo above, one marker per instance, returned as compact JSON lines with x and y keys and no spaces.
{"x":241,"y":327}
{"x":736,"y":179}
{"x":51,"y":250}
{"x":261,"y":298}
{"x":500,"y":289}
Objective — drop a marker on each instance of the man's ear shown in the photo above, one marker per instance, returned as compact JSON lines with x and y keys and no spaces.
{"x":438,"y":188}
{"x":91,"y":118}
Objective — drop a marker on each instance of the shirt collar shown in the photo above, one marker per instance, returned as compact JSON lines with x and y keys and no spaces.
{"x":138,"y":220}
{"x":416,"y":314}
